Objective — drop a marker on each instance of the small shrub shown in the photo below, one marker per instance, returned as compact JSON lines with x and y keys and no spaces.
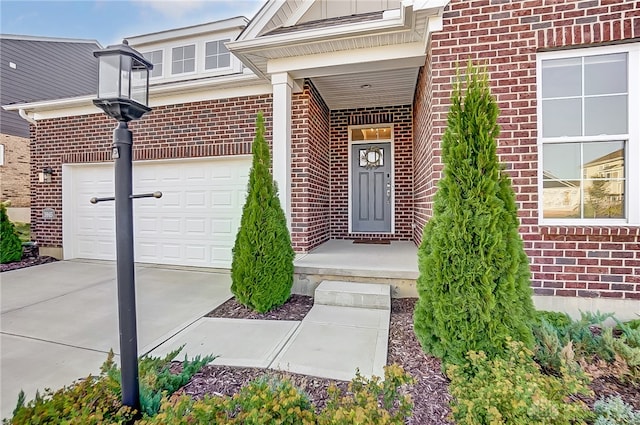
{"x":268,"y":401}
{"x":514,"y":391}
{"x":97,"y":400}
{"x":370,"y":401}
{"x":10,"y":244}
{"x":262,"y":264}
{"x":90,"y":401}
{"x":614,"y":411}
{"x":556,"y":319}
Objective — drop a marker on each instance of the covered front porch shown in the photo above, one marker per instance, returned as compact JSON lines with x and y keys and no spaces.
{"x":344,"y":156}
{"x":394,"y":263}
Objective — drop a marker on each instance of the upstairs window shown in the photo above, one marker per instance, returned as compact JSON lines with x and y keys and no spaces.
{"x":155,"y":58}
{"x":589,"y":138}
{"x":183,"y":59}
{"x":216,"y":55}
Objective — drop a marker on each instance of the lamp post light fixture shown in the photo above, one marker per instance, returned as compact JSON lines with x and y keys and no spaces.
{"x":123,"y":94}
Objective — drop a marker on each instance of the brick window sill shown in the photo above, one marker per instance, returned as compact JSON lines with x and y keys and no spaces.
{"x":590,"y":230}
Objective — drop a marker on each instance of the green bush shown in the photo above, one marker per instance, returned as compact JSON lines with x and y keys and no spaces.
{"x":614,"y":411}
{"x":272,"y":401}
{"x":514,"y":391}
{"x":554,"y":318}
{"x":474,"y":284}
{"x":10,"y":244}
{"x":370,"y":401}
{"x":93,"y":400}
{"x":97,"y":400}
{"x":262,"y":265}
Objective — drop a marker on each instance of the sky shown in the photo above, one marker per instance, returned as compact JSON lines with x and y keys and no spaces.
{"x":109,"y":21}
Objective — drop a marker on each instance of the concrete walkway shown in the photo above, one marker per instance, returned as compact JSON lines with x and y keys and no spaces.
{"x":347,"y":329}
{"x":59,"y":321}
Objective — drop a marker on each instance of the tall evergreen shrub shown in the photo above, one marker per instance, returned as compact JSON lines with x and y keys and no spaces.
{"x":262,"y":266}
{"x":10,"y":244}
{"x":474,"y":274}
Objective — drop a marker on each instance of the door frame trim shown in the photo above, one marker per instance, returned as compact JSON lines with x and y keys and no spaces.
{"x":393,"y":178}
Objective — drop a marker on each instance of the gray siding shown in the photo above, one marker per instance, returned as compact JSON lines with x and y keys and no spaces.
{"x":44,"y":70}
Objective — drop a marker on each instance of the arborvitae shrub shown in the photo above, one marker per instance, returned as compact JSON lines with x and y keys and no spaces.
{"x":262,"y":266}
{"x":10,"y":245}
{"x":474,"y":274}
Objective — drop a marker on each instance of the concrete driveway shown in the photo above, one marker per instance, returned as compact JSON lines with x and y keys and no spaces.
{"x":60,"y":320}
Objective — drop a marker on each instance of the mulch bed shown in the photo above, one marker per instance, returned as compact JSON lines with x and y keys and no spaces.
{"x":429,"y":393}
{"x":26,"y":262}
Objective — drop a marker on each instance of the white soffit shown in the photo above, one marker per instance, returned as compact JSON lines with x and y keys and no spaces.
{"x":370,"y":89}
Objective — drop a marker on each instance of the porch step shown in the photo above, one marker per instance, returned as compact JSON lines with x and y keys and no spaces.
{"x":352,"y":294}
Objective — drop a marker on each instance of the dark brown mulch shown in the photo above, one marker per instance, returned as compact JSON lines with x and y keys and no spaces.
{"x":294,"y":309}
{"x":26,"y":262}
{"x":430,"y":394}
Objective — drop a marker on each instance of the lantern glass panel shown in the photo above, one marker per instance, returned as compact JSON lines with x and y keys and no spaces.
{"x":125,"y":77}
{"x":108,"y":86}
{"x":139,"y":83}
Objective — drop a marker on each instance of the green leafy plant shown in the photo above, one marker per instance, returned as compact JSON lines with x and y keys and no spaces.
{"x":97,"y":400}
{"x":268,"y":400}
{"x":614,"y":411}
{"x":370,"y":401}
{"x":10,"y":244}
{"x":262,"y":265}
{"x":93,"y":400}
{"x":474,"y":284}
{"x":513,"y":390}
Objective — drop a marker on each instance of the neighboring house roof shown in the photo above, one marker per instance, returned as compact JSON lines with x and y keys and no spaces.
{"x":608,"y":158}
{"x":40,"y":68}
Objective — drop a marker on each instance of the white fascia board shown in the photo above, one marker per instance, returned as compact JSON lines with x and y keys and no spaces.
{"x":316,"y":35}
{"x":170,"y":94}
{"x":350,"y":61}
{"x":224,"y":25}
{"x":299,"y":13}
{"x":262,"y":18}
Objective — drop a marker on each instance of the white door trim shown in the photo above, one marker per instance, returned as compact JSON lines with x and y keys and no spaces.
{"x":393,"y":177}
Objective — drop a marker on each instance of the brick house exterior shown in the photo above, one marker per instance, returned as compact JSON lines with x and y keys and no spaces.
{"x":316,"y":97}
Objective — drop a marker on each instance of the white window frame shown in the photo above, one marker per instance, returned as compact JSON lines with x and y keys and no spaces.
{"x":204,"y":55}
{"x":632,"y":145}
{"x":195,"y":59}
{"x":164,"y":67}
{"x":1,"y":154}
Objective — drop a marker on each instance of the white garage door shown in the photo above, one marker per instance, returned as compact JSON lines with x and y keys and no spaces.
{"x":193,"y":224}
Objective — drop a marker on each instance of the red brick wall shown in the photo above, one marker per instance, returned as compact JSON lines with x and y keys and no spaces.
{"x":401,"y":117}
{"x":506,"y":35}
{"x":424,"y":152}
{"x":310,"y":215}
{"x":199,"y":129}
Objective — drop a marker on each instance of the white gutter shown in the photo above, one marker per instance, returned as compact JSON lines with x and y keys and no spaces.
{"x":154,"y":92}
{"x":26,"y":117}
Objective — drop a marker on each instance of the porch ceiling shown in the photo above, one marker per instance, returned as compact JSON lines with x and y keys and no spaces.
{"x":368,"y":89}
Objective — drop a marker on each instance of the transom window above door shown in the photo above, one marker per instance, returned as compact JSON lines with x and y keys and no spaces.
{"x":372,"y":133}
{"x":589,"y":135}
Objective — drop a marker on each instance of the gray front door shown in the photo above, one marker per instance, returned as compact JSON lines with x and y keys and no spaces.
{"x":371,"y":188}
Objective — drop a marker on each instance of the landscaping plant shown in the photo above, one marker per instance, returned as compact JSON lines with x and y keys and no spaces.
{"x":97,"y":399}
{"x":474,"y":284}
{"x":614,"y":411}
{"x":262,"y":266}
{"x":513,"y":391}
{"x":10,"y":244}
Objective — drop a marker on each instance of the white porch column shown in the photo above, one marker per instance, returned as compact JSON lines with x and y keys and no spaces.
{"x":282,"y":84}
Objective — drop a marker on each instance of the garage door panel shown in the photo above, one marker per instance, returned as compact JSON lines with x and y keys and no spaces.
{"x":194,"y":223}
